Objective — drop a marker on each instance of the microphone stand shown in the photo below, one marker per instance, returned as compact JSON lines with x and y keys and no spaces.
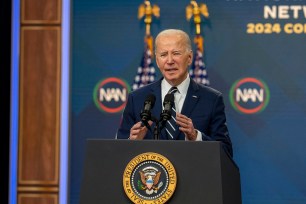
{"x":156,"y":128}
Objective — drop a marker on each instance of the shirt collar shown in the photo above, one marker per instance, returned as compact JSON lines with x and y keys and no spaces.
{"x":182,"y":87}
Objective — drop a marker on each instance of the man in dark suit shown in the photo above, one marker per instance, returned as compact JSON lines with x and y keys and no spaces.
{"x":199,"y":109}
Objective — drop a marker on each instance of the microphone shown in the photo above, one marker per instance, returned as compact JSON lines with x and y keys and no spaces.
{"x":168,"y":104}
{"x":148,"y":105}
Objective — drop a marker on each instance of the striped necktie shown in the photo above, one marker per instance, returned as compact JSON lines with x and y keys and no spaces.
{"x":171,"y":126}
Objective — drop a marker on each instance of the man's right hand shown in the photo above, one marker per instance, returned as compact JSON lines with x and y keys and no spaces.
{"x":138,"y":131}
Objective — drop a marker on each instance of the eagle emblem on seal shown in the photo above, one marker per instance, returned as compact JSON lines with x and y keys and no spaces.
{"x":149,"y":180}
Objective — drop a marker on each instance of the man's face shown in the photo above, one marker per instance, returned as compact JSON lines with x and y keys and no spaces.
{"x":173,"y":58}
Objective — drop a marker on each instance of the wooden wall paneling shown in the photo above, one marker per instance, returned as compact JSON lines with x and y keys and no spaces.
{"x":39,"y":106}
{"x":41,"y":11}
{"x":29,"y":198}
{"x":38,"y":189}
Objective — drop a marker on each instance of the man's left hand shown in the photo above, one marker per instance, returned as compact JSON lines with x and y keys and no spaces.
{"x":186,"y":126}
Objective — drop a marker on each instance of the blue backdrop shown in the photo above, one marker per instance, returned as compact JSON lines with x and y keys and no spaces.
{"x":255,"y":47}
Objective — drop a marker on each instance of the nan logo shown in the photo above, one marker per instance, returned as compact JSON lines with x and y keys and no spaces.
{"x":149,"y":178}
{"x":110,"y":95}
{"x":249,"y":95}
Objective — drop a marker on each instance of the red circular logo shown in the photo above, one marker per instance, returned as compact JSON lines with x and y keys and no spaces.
{"x":249,"y":95}
{"x":110,"y":95}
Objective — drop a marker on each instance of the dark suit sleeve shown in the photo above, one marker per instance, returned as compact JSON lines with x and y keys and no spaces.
{"x":218,"y":127}
{"x":127,"y":121}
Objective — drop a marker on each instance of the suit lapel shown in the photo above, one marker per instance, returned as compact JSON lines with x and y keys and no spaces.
{"x":156,"y":90}
{"x":190,"y":102}
{"x":191,"y":99}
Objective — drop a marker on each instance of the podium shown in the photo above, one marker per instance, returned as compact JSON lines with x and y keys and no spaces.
{"x":205,"y":173}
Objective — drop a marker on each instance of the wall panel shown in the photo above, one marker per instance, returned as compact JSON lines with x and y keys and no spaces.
{"x":24,"y":198}
{"x":39,"y":101}
{"x":39,"y":105}
{"x":41,"y":11}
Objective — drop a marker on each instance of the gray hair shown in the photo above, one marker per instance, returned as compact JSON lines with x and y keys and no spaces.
{"x":175,"y":32}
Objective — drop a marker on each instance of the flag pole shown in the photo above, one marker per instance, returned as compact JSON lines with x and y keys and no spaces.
{"x":195,"y":10}
{"x":146,"y":71}
{"x":147,"y":11}
{"x":198,"y":71}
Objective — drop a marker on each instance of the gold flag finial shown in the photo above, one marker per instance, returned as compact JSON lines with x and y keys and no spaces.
{"x":193,"y":9}
{"x":148,"y":11}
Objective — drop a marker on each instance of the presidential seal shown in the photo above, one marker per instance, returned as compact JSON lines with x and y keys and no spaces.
{"x":149,"y":178}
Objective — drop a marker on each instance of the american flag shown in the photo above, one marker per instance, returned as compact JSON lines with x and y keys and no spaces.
{"x":198,"y":70}
{"x":146,"y":71}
